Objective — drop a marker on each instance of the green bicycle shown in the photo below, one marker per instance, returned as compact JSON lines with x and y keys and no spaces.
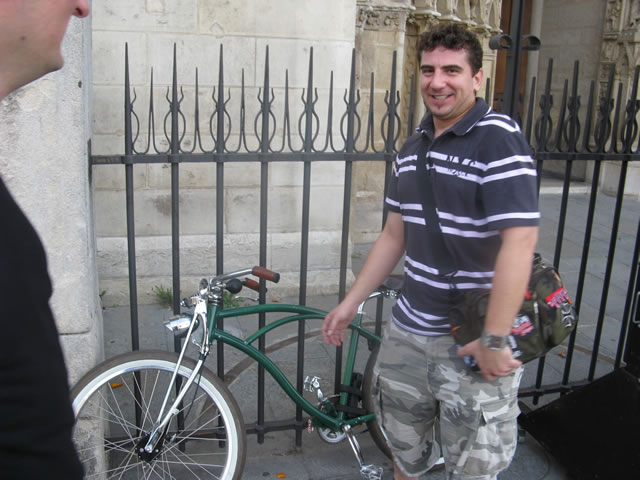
{"x":155,"y":414}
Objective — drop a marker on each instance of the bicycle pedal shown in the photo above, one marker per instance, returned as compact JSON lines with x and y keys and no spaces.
{"x":371,"y":472}
{"x":311,"y":384}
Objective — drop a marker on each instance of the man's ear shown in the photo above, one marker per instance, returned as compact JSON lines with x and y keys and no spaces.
{"x":477,"y":80}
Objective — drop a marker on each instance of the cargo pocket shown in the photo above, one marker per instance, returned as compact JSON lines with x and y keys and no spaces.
{"x":495,"y":440}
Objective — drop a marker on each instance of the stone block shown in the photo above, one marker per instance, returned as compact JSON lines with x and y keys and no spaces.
{"x":109,"y":57}
{"x":110,"y":211}
{"x":611,"y":176}
{"x":191,"y":175}
{"x":201,"y":52}
{"x":176,"y":16}
{"x":108,"y":109}
{"x":293,"y":54}
{"x":326,"y":208}
{"x":152,"y":211}
{"x":334,"y":19}
{"x":107,"y":144}
{"x":322,"y":173}
{"x":244,"y":210}
{"x":198,"y":259}
{"x":324,"y":251}
{"x":287,"y":173}
{"x":113,"y":177}
{"x":242,"y":174}
{"x":366,"y":216}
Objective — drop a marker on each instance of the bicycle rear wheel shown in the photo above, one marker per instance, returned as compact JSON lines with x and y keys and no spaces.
{"x":117,"y":402}
{"x":368,"y":401}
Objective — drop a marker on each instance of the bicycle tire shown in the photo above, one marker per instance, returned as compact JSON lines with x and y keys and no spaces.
{"x":211,"y":443}
{"x":368,"y":401}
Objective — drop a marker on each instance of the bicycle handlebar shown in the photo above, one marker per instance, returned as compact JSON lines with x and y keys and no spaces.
{"x":266,"y":274}
{"x":251,"y":283}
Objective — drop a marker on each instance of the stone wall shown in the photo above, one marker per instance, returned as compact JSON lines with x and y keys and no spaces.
{"x":599,"y":34}
{"x":43,"y":160}
{"x":198,"y":29}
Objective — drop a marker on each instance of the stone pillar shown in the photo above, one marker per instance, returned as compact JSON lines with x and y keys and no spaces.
{"x":620,"y":47}
{"x":44,"y":144}
{"x":380,"y":31}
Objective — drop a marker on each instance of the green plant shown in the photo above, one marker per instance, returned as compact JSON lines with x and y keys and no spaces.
{"x":230,"y":301}
{"x":165,"y":295}
{"x":102,"y":294}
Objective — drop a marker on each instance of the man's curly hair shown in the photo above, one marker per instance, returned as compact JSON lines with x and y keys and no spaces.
{"x":452,"y":36}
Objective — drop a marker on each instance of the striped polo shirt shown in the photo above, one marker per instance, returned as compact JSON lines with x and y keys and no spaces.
{"x":483,"y":179}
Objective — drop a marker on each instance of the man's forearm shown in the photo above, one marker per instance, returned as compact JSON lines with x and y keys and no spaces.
{"x":382,"y":259}
{"x":511,"y":276}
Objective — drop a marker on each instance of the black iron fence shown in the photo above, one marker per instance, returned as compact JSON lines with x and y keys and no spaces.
{"x":605,"y":132}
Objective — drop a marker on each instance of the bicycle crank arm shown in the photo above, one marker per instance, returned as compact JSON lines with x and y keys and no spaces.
{"x":367,"y":472}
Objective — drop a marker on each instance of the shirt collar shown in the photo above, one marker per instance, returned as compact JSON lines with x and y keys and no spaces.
{"x":479,"y":110}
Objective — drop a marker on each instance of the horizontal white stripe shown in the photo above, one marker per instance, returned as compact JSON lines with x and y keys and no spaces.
{"x":410,"y":219}
{"x":498,"y":123}
{"x":426,"y":281}
{"x":510,"y":174}
{"x":393,"y":203}
{"x":417,"y":316}
{"x":411,"y":206}
{"x":408,"y":158}
{"x":420,"y":266}
{"x":433,"y":271}
{"x":509,"y":160}
{"x":463,"y":220}
{"x":469,"y":176}
{"x":512,"y":215}
{"x":407,"y":168}
{"x":439,"y":331}
{"x":469,"y":233}
{"x":437,"y":155}
{"x":467,"y":285}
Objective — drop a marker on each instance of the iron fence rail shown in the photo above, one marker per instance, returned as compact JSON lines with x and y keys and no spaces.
{"x":577,"y":137}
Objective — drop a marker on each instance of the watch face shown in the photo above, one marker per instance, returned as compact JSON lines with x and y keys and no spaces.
{"x":493,"y":342}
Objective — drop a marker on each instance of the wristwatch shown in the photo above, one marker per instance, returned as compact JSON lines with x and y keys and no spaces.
{"x":493,"y":342}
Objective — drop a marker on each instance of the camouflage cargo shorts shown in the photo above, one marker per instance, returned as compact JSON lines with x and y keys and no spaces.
{"x":422,"y":387}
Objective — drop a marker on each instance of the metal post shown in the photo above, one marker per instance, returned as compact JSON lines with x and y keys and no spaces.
{"x":514,"y":43}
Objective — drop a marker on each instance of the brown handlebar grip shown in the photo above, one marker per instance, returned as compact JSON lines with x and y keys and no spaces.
{"x":252,"y":284}
{"x":266,"y":274}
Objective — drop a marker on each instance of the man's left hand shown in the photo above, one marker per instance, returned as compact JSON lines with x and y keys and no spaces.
{"x":492,"y":363}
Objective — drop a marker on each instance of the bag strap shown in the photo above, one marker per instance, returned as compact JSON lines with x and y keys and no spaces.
{"x":443,"y":260}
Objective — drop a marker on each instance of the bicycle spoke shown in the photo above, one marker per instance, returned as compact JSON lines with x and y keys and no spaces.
{"x":112,"y":418}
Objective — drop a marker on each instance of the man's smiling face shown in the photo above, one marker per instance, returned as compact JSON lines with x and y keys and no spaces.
{"x":448,"y":85}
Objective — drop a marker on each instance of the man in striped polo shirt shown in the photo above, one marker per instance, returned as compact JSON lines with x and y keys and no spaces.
{"x":480,"y":170}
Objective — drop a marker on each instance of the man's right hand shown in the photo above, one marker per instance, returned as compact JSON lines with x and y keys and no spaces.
{"x":336,"y":322}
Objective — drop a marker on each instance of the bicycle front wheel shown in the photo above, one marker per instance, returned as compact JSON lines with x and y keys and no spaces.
{"x":117,"y":403}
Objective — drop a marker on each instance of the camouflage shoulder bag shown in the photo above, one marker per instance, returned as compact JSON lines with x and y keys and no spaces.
{"x":547,"y":315}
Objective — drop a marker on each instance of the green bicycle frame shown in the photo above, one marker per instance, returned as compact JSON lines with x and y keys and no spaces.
{"x":299,"y":313}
